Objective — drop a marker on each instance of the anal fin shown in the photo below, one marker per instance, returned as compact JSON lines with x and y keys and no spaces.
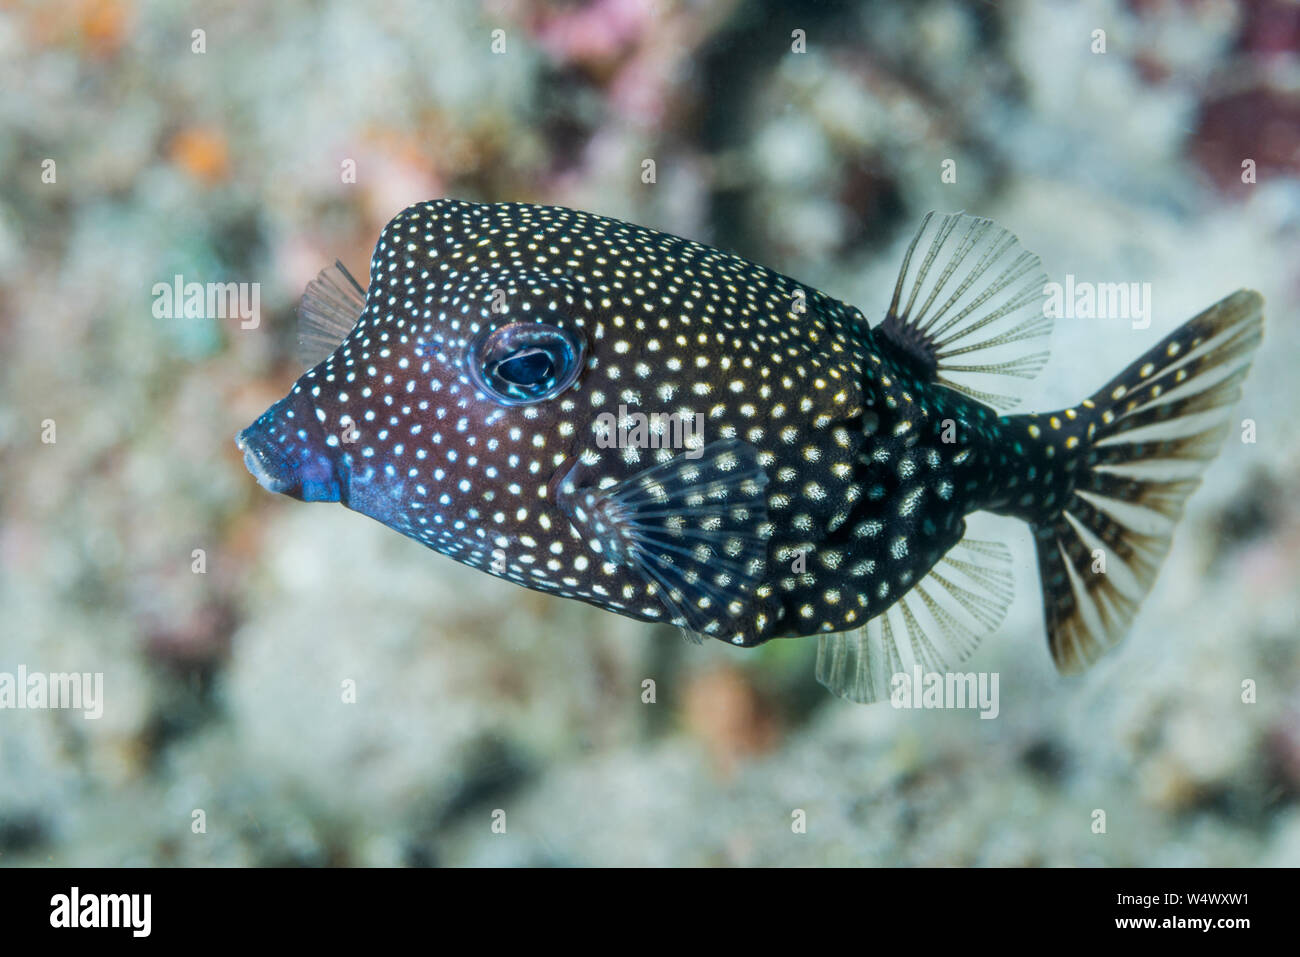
{"x":940,"y":621}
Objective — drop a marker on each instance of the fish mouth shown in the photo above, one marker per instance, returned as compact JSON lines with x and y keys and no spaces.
{"x":262,"y":462}
{"x":296,"y":463}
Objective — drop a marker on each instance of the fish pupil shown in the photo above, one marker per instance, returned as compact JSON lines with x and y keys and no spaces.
{"x":530,"y":367}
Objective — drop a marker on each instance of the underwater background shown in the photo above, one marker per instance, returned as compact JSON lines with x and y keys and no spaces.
{"x":327,"y":692}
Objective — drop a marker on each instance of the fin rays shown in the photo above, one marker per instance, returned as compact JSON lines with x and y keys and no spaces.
{"x":1158,"y":423}
{"x":974,"y":291}
{"x":329,"y":308}
{"x":690,"y":527}
{"x":940,"y":621}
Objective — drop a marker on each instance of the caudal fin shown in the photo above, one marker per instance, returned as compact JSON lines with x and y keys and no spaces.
{"x":1152,"y":430}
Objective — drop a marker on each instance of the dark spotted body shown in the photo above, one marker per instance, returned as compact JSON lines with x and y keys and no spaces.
{"x":841,"y":469}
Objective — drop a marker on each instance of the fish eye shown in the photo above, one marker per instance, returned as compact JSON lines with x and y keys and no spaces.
{"x":526,"y":362}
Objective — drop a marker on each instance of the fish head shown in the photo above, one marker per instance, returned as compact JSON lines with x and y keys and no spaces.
{"x":457,"y":397}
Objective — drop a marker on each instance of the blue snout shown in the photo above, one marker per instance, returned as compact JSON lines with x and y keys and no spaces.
{"x":286,"y":452}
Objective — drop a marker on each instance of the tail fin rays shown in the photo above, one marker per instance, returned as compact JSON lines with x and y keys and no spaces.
{"x":1156,"y":426}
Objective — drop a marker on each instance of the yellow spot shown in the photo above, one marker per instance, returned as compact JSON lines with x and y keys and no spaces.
{"x":1035,"y":431}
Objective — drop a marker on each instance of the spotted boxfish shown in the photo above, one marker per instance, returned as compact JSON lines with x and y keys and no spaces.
{"x":669,"y":431}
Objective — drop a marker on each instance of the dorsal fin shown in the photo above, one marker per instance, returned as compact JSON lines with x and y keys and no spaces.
{"x":329,"y":308}
{"x":973,"y":292}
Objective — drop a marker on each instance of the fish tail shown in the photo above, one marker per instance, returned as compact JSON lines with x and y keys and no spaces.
{"x":1131,"y":454}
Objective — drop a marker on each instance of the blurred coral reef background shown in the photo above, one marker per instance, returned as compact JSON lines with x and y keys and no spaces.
{"x":223,"y":689}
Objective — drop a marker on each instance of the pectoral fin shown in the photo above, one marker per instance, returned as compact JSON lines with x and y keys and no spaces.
{"x":694,"y":529}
